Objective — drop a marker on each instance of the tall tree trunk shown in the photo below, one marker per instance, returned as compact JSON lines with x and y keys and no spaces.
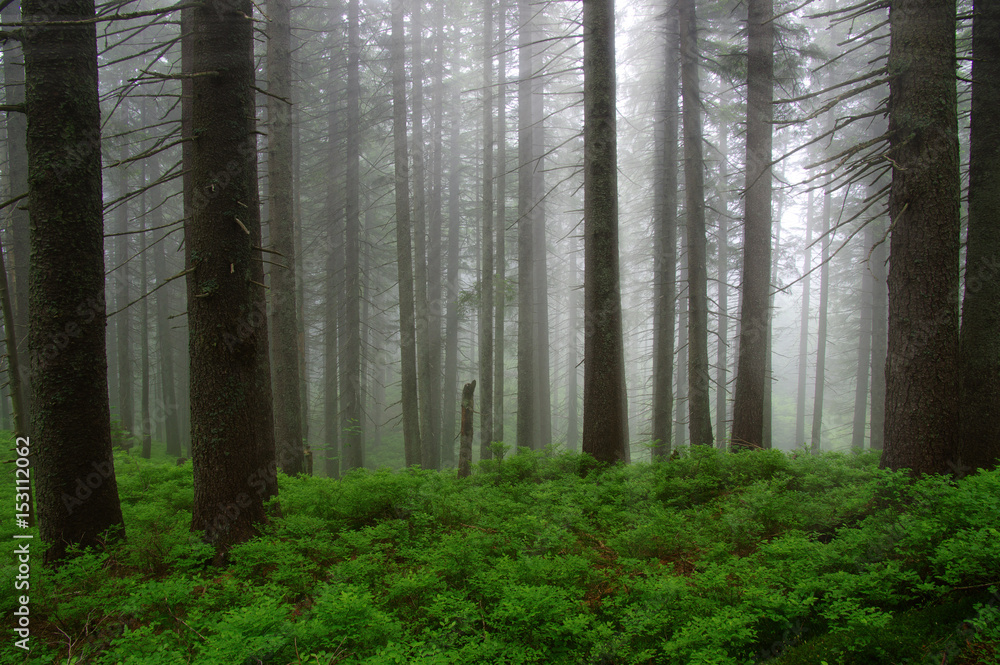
{"x":500,"y":249}
{"x":486,"y":277}
{"x":722,"y":353}
{"x":352,"y":416}
{"x":404,"y":261}
{"x":979,"y":443}
{"x":755,"y":314}
{"x":768,"y":421}
{"x":821,"y":334}
{"x":77,"y":493}
{"x":17,"y":179}
{"x":333,"y":313}
{"x":880,"y":315}
{"x":284,"y":324}
{"x":800,"y":402}
{"x":527,"y":404}
{"x":573,"y":355}
{"x":331,"y":393}
{"x":699,"y":411}
{"x":19,"y":415}
{"x":164,"y":338}
{"x":435,"y":228}
{"x":232,"y":420}
{"x":864,"y":350}
{"x":145,"y":421}
{"x":665,"y":238}
{"x":453,"y":280}
{"x":123,"y":319}
{"x":605,"y":413}
{"x":681,"y":389}
{"x":540,"y":278}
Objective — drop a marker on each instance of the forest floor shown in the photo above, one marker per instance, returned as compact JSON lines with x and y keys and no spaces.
{"x":759,"y":557}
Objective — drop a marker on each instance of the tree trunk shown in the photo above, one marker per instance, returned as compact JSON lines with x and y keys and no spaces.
{"x":755,"y":313}
{"x":454,"y":267}
{"x":500,"y":249}
{"x":864,"y":350}
{"x":722,"y":353}
{"x":486,"y":277}
{"x":232,"y":421}
{"x":880,"y":314}
{"x":605,"y":413}
{"x":527,"y":358}
{"x":979,"y":443}
{"x":681,"y":389}
{"x":800,"y":402}
{"x":331,"y":394}
{"x":352,"y":416}
{"x":540,"y":278}
{"x":468,"y":418}
{"x":665,"y":237}
{"x":435,"y":229}
{"x":144,"y":418}
{"x":77,"y":493}
{"x":123,"y":319}
{"x":19,"y":415}
{"x":816,"y":444}
{"x":284,"y":326}
{"x":404,"y":261}
{"x":699,"y":410}
{"x":333,"y":313}
{"x":922,"y":372}
{"x":573,"y":355}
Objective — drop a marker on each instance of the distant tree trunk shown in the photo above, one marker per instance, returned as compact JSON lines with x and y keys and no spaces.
{"x":665,"y":238}
{"x":573,"y":356}
{"x":468,"y":418}
{"x":824,"y":299}
{"x":880,"y":314}
{"x":768,"y":422}
{"x":605,"y":413}
{"x":680,"y":399}
{"x":864,"y":349}
{"x":232,"y":418}
{"x":800,"y":402}
{"x":435,"y":229}
{"x":146,"y":422}
{"x":164,"y":340}
{"x":352,"y":416}
{"x":123,"y":319}
{"x":67,"y":282}
{"x":699,"y":411}
{"x":486,"y":277}
{"x":404,"y":262}
{"x":300,"y":303}
{"x":722,"y":353}
{"x":333,"y":312}
{"x":17,"y":180}
{"x":540,"y":279}
{"x":527,"y":357}
{"x":19,"y":415}
{"x":755,"y":313}
{"x":500,"y":249}
{"x":453,"y":280}
{"x":922,"y":380}
{"x":331,"y":393}
{"x":979,"y":443}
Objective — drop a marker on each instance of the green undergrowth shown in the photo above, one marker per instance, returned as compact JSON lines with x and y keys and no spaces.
{"x":545,"y":558}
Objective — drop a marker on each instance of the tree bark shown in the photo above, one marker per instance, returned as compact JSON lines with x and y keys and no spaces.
{"x":486,"y":277}
{"x":232,"y":421}
{"x":435,"y":229}
{"x":722,"y":352}
{"x":699,"y":410}
{"x":755,"y":312}
{"x":864,"y":350}
{"x":815,"y":444}
{"x":404,"y":261}
{"x":605,"y":413}
{"x":979,"y":443}
{"x":453,"y":279}
{"x":880,"y":314}
{"x":800,"y":402}
{"x":922,"y":372}
{"x":281,"y":197}
{"x":123,"y":319}
{"x":468,"y":418}
{"x":77,"y":494}
{"x":500,"y":249}
{"x":665,"y":238}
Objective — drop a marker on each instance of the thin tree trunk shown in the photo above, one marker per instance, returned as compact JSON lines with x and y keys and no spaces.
{"x":144,"y":418}
{"x":434,"y":233}
{"x":284,"y":326}
{"x":768,"y":421}
{"x":880,"y":316}
{"x":665,"y":237}
{"x":681,"y":389}
{"x":605,"y":412}
{"x":77,"y":494}
{"x":500,"y":248}
{"x":404,"y":262}
{"x":333,"y":319}
{"x":123,"y":319}
{"x":699,"y":411}
{"x":722,"y":353}
{"x":824,"y":299}
{"x":979,"y":443}
{"x":540,"y":278}
{"x":454,"y":267}
{"x":331,"y":394}
{"x":800,"y":402}
{"x":864,"y":350}
{"x":352,"y":416}
{"x":752,"y":380}
{"x":232,"y":418}
{"x":573,"y":355}
{"x":486,"y":285}
{"x":527,"y":358}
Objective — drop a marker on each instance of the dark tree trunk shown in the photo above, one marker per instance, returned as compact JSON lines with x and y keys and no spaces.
{"x":468,"y":418}
{"x":500,"y":250}
{"x":123,"y":319}
{"x":979,"y":443}
{"x":169,"y":408}
{"x":146,"y":423}
{"x":605,"y":413}
{"x":435,"y":227}
{"x":880,"y":313}
{"x":333,"y":311}
{"x":284,"y":326}
{"x":17,"y":180}
{"x":722,"y":353}
{"x":768,"y":421}
{"x":454,"y":267}
{"x":540,"y":279}
{"x":19,"y":415}
{"x":573,"y":355}
{"x":665,"y":232}
{"x":755,"y":313}
{"x":864,"y":350}
{"x":232,"y":423}
{"x":486,"y":277}
{"x":352,"y":416}
{"x":681,"y":387}
{"x":922,"y":372}
{"x":331,"y":394}
{"x":815,"y":444}
{"x":699,"y":410}
{"x":404,"y":260}
{"x":527,"y":403}
{"x":75,"y":478}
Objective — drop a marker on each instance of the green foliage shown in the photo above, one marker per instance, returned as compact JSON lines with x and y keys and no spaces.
{"x":545,"y":557}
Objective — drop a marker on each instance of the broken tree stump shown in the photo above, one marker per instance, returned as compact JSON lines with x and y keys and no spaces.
{"x":465,"y":442}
